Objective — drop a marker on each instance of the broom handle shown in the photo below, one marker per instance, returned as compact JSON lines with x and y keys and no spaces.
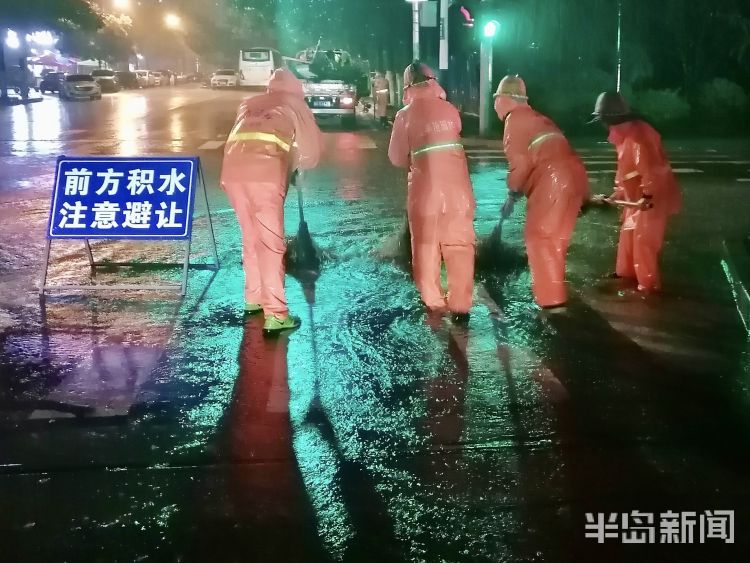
{"x":294,"y":179}
{"x":300,"y":202}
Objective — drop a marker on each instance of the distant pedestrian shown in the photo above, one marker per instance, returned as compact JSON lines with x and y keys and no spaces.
{"x":382,"y":92}
{"x":645,"y":189}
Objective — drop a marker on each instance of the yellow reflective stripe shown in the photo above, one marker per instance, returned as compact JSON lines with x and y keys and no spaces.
{"x":539,"y":139}
{"x":258,"y":136}
{"x":382,"y":91}
{"x":436,"y":147}
{"x":631,"y":175}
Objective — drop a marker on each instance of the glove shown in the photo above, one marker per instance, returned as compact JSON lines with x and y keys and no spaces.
{"x":598,"y":199}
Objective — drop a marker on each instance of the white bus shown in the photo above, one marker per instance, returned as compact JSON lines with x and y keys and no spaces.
{"x":257,"y":65}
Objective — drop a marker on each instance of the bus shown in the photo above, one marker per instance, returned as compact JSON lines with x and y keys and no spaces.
{"x":257,"y":66}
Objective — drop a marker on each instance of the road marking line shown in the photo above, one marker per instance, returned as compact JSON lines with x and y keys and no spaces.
{"x":687,"y":171}
{"x":211,"y":145}
{"x":718,"y":162}
{"x":367,"y":143}
{"x":743,"y":179}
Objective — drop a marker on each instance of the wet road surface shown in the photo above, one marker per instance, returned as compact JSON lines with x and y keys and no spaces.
{"x":141,"y":427}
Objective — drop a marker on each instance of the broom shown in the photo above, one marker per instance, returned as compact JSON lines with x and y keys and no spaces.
{"x":397,"y":247}
{"x":302,"y":256}
{"x":492,"y":253}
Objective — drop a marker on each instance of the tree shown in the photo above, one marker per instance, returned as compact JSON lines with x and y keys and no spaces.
{"x":110,"y":43}
{"x":55,"y":15}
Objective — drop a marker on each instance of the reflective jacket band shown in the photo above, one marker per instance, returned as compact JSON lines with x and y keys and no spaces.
{"x":381,"y":91}
{"x":631,"y":175}
{"x":436,"y":147}
{"x":259,"y":136}
{"x":539,"y":139}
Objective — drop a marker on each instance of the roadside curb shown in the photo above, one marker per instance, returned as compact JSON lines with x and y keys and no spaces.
{"x":19,"y":102}
{"x":736,"y":266}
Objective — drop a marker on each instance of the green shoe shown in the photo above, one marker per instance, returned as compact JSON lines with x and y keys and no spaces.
{"x":274,"y":324}
{"x":252,"y":308}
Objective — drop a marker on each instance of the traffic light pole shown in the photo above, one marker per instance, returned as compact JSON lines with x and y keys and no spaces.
{"x":415,"y":29}
{"x":485,"y":85}
{"x":444,"y":4}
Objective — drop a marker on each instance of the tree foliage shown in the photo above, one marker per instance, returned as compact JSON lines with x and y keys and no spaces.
{"x":55,"y":15}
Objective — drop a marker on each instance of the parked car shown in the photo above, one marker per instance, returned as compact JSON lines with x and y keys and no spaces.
{"x":80,"y":87}
{"x":107,"y":80}
{"x":167,"y":77}
{"x":145,"y":78}
{"x":127,"y":80}
{"x":157,"y":76}
{"x":225,"y":78}
{"x":51,"y":82}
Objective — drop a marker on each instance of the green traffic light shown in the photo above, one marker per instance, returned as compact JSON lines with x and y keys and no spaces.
{"x":490,"y":28}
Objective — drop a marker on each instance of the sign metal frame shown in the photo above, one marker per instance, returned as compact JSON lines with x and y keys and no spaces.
{"x":200,"y":185}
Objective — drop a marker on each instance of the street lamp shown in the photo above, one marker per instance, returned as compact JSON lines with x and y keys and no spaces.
{"x":172,"y":21}
{"x":121,"y":5}
{"x":12,"y":40}
{"x":415,"y":27}
{"x":42,"y":38}
{"x":489,"y":31}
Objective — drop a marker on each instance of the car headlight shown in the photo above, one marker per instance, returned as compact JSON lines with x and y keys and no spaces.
{"x":347,"y":101}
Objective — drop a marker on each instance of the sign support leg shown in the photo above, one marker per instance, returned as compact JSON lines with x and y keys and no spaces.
{"x":185,"y":268}
{"x":43,"y":280}
{"x":89,"y":253}
{"x":210,"y":221}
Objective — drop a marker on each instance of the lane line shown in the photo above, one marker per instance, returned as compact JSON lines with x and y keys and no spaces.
{"x":211,"y":145}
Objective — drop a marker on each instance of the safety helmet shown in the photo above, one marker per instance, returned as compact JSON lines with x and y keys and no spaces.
{"x":512,"y":86}
{"x":610,"y":105}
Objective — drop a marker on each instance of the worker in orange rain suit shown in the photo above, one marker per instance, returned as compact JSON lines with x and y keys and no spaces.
{"x":440,"y":201}
{"x":275,"y":134}
{"x":544,"y":168}
{"x":645,"y":187}
{"x":381,"y":90}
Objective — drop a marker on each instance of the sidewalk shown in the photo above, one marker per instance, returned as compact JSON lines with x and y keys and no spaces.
{"x":14,"y":99}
